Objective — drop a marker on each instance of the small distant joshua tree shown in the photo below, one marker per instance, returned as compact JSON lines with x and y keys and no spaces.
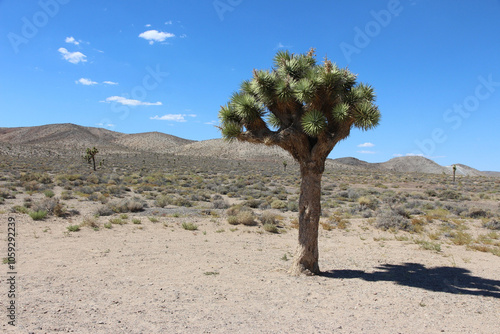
{"x":284,"y":165}
{"x":454,"y":171}
{"x":305,"y":108}
{"x":90,"y":156}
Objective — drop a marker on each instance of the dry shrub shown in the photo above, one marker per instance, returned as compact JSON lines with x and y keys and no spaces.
{"x":278,"y":204}
{"x":271,"y":228}
{"x":162,"y":201}
{"x":38,"y":177}
{"x":338,"y":222}
{"x":269,"y":217}
{"x":220,"y":204}
{"x":235,"y":209}
{"x":90,"y":222}
{"x":134,"y":205}
{"x":47,"y":204}
{"x":492,"y":224}
{"x":450,"y":195}
{"x":368,"y":202}
{"x":181,"y":201}
{"x":59,"y":210}
{"x":326,"y":226}
{"x":293,"y":206}
{"x":418,"y":225}
{"x":394,"y":220}
{"x":232,"y":220}
{"x":478,"y":213}
{"x":92,"y":179}
{"x":129,"y":205}
{"x":31,"y":186}
{"x":461,"y":238}
{"x":246,"y":218}
{"x":104,"y":211}
{"x":253,"y":203}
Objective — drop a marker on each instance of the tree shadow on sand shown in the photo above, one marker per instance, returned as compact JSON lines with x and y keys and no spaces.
{"x":440,"y":279}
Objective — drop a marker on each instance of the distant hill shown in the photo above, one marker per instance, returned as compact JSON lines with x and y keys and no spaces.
{"x":488,"y":173}
{"x":72,"y":137}
{"x":60,"y":136}
{"x":410,"y":164}
{"x":63,"y":139}
{"x":219,"y":148}
{"x":350,"y":161}
{"x":152,"y":142}
{"x":413,"y":164}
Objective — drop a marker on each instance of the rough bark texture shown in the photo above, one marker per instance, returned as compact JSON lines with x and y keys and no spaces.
{"x":306,"y":256}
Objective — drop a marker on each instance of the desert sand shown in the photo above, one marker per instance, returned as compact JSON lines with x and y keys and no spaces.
{"x":160,"y":278}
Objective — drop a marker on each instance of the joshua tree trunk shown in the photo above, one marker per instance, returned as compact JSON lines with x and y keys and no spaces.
{"x":306,"y":256}
{"x":93,"y":161}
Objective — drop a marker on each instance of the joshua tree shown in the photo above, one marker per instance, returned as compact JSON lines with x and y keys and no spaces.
{"x":90,"y":156}
{"x":284,"y":165}
{"x":305,"y":108}
{"x":454,"y":171}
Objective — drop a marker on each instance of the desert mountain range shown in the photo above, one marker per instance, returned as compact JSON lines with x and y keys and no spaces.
{"x":72,"y":139}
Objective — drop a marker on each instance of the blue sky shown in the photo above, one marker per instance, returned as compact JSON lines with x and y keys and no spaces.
{"x":140,"y":66}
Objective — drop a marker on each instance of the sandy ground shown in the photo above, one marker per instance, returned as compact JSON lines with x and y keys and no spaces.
{"x":152,"y":278}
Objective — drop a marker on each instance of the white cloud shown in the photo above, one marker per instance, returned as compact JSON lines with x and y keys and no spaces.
{"x":72,"y":57}
{"x":173,"y":117}
{"x":366,"y":145}
{"x":148,"y":25}
{"x":168,"y":22}
{"x":212,"y":123}
{"x":106,"y":125}
{"x":130,"y":102}
{"x":183,"y":36}
{"x":72,"y":40}
{"x":366,"y":152}
{"x":110,"y":83}
{"x":281,"y":46}
{"x":155,"y":36}
{"x":85,"y":82}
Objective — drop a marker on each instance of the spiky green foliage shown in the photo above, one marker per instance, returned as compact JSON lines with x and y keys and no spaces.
{"x":313,"y":122}
{"x":313,"y":103}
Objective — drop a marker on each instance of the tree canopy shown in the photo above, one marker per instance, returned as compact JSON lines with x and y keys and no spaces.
{"x":302,"y":106}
